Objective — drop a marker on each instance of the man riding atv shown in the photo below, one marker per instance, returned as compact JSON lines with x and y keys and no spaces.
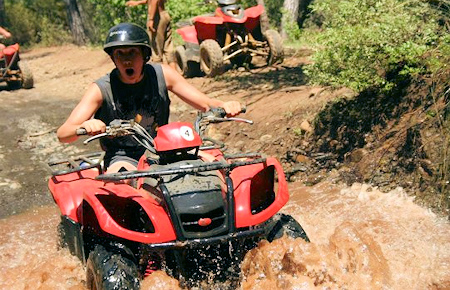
{"x":192,"y":211}
{"x":133,"y":90}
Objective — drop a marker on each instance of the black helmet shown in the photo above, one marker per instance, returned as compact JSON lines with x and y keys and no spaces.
{"x":127,"y":34}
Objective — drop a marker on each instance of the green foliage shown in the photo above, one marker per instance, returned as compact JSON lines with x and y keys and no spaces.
{"x":105,"y":14}
{"x":182,"y":11}
{"x":363,"y":43}
{"x":40,"y":21}
{"x":273,"y":10}
{"x":290,"y":26}
{"x":21,"y":22}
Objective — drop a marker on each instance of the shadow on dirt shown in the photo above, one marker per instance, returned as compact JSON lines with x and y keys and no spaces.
{"x":273,"y":80}
{"x":344,"y":124}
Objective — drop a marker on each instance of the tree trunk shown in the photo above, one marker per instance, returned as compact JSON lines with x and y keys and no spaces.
{"x":2,"y":14}
{"x":264,"y":19}
{"x":75,"y":22}
{"x":302,"y":11}
{"x":291,"y":9}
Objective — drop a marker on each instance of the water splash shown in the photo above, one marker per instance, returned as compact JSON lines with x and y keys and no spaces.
{"x":361,"y":238}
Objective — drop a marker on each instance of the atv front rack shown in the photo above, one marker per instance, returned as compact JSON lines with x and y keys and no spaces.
{"x":203,"y":242}
{"x":77,"y":163}
{"x":217,"y":165}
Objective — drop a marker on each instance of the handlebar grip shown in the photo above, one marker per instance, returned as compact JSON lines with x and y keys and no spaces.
{"x":80,"y":131}
{"x":220,"y":112}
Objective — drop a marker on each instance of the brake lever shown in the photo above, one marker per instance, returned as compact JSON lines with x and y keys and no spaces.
{"x":219,"y":120}
{"x":239,"y":120}
{"x":85,"y":142}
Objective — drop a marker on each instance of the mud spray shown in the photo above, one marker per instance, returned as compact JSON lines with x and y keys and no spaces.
{"x":361,"y":238}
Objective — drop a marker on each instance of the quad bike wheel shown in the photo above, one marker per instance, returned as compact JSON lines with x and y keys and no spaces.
{"x":286,"y":224}
{"x":26,"y":78}
{"x":211,"y":58}
{"x":185,"y":67}
{"x":110,"y":270}
{"x":275,"y":45}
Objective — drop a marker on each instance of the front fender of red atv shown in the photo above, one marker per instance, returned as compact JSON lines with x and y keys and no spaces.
{"x":255,"y":198}
{"x":9,"y":52}
{"x":188,"y":34}
{"x":67,"y":190}
{"x":111,"y":207}
{"x":253,"y":15}
{"x":205,"y":26}
{"x":125,"y":212}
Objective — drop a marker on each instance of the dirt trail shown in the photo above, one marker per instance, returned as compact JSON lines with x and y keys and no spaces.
{"x":361,"y":238}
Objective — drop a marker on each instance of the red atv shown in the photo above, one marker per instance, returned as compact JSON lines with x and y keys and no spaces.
{"x":232,"y":34}
{"x":189,"y":209}
{"x":14,"y":72}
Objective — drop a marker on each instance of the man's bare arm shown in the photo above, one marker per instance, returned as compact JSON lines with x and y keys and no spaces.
{"x":135,"y":2}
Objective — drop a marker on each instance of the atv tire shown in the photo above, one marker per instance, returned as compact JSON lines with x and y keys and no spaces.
{"x":286,"y":224}
{"x":26,"y":78}
{"x":211,"y":58}
{"x":110,"y":270}
{"x":186,"y":68}
{"x":275,"y":45}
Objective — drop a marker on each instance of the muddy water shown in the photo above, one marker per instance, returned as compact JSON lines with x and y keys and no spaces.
{"x":360,"y":239}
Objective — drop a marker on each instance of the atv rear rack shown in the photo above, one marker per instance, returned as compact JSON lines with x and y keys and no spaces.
{"x":217,"y":165}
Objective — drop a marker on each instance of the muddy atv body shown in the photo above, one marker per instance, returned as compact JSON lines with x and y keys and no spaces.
{"x":191,"y":212}
{"x":13,"y":71}
{"x":231,"y":34}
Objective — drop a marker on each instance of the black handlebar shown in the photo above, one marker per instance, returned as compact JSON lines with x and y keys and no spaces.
{"x":220,"y":112}
{"x":118,"y":128}
{"x":80,"y":131}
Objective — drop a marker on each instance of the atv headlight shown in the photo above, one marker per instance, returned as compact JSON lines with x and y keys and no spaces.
{"x":127,"y":213}
{"x":262,"y":191}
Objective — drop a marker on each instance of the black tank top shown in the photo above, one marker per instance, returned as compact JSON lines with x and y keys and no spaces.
{"x":149,"y":99}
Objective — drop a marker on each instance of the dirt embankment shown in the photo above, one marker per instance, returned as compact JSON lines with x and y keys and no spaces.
{"x":400,"y":139}
{"x":318,"y":133}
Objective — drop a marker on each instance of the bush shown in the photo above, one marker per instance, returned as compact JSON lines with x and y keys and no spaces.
{"x":105,"y":14}
{"x":41,"y":21}
{"x":22,"y":23}
{"x":365,"y":43}
{"x":181,"y":11}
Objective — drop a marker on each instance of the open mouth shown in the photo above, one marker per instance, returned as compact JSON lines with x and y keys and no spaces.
{"x":129,"y":71}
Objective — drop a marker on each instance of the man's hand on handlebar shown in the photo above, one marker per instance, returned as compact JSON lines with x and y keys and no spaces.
{"x":232,"y":108}
{"x":93,"y":127}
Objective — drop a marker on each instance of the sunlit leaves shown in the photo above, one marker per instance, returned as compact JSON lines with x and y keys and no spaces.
{"x":362,"y":41}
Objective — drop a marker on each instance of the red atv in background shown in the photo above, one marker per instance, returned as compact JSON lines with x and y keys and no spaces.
{"x":189,"y":209}
{"x":14,"y":72}
{"x":233,"y":34}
